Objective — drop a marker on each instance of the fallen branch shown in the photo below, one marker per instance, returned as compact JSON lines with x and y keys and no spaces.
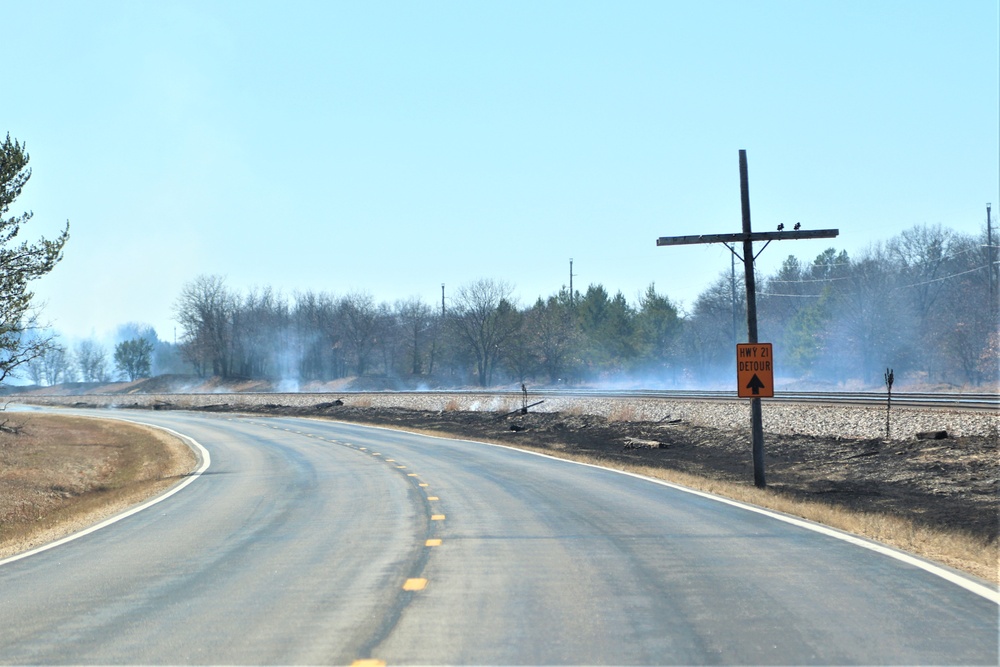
{"x":522,"y":411}
{"x":637,"y":443}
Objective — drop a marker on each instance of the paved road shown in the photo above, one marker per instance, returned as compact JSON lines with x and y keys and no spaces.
{"x":315,"y":542}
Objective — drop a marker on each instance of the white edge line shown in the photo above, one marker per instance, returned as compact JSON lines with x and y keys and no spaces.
{"x":206,"y":459}
{"x":953,"y":577}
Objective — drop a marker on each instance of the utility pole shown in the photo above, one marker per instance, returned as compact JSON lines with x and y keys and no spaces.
{"x":572,"y":299}
{"x":991,"y":267}
{"x":747,"y":237}
{"x":732,"y":293}
{"x":442,"y":299}
{"x":756,"y":411}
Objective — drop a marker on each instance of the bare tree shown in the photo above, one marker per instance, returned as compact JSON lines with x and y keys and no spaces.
{"x":360,"y":321}
{"x":484,"y":319}
{"x":52,"y":366}
{"x":205,"y":313}
{"x":92,"y":361}
{"x":708,"y":339}
{"x":415,"y":320}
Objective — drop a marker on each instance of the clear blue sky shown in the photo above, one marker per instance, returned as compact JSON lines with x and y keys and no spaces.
{"x":392,"y":147}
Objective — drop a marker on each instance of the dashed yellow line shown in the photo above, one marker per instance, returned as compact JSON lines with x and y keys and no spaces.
{"x":368,"y":662}
{"x":432,"y":543}
{"x":423,"y":484}
{"x":437,"y":517}
{"x":433,"y":498}
{"x":415,"y":584}
{"x":411,"y":474}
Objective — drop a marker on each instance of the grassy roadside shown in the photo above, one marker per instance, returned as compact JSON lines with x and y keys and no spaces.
{"x":958,"y":550}
{"x":60,"y":474}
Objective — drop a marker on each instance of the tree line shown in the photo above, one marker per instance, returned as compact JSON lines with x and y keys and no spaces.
{"x":918,"y":302}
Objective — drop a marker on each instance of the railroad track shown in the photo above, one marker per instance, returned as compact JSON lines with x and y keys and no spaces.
{"x":958,"y":401}
{"x":978,"y":402}
{"x":970,"y":401}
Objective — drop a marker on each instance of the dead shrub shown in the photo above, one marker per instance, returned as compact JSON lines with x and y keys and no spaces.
{"x":452,"y":406}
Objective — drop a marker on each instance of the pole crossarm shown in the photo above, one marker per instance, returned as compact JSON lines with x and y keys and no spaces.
{"x":753,"y":236}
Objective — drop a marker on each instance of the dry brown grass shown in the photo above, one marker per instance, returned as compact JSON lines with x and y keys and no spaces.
{"x":452,"y":406}
{"x":61,"y":474}
{"x":361,"y":402}
{"x":623,"y":412}
{"x":955,"y":549}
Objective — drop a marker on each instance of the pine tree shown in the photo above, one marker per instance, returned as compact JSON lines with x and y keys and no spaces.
{"x":20,"y":263}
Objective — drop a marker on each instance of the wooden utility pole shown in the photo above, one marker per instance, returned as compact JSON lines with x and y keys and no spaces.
{"x":990,"y":265}
{"x":747,"y":237}
{"x":572,"y":299}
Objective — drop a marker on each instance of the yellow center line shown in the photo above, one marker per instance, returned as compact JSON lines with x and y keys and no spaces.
{"x":424,"y":484}
{"x":433,"y":498}
{"x":411,"y":474}
{"x":432,"y":543}
{"x":391,"y":460}
{"x":401,"y":467}
{"x":437,"y":517}
{"x":414,"y":584}
{"x":368,"y":662}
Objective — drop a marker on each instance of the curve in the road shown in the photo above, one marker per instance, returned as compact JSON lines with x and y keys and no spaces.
{"x":320,"y":542}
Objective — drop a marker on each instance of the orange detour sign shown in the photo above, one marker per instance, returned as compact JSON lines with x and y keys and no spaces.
{"x":754,"y":370}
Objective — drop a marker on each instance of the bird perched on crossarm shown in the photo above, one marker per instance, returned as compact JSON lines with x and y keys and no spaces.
{"x":797,"y":225}
{"x":781,"y":226}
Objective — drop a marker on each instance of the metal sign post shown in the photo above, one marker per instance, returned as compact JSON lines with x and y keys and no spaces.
{"x":747,"y":238}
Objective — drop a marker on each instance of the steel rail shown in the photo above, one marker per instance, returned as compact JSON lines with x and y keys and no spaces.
{"x":980,"y":402}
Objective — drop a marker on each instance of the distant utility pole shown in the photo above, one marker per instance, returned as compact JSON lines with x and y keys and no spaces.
{"x":991,"y":266}
{"x":442,"y":299}
{"x":732,"y":293}
{"x":747,"y":238}
{"x":571,"y":274}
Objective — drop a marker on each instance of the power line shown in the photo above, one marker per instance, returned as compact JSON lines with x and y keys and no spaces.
{"x":810,"y":280}
{"x":798,"y":296}
{"x":934,"y":280}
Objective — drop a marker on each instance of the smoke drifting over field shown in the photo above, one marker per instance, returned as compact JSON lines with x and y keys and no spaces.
{"x":916,"y":304}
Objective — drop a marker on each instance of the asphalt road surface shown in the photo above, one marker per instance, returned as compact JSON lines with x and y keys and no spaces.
{"x":312,"y":542}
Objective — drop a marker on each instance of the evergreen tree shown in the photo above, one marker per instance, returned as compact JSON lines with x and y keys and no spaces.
{"x":20,"y":263}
